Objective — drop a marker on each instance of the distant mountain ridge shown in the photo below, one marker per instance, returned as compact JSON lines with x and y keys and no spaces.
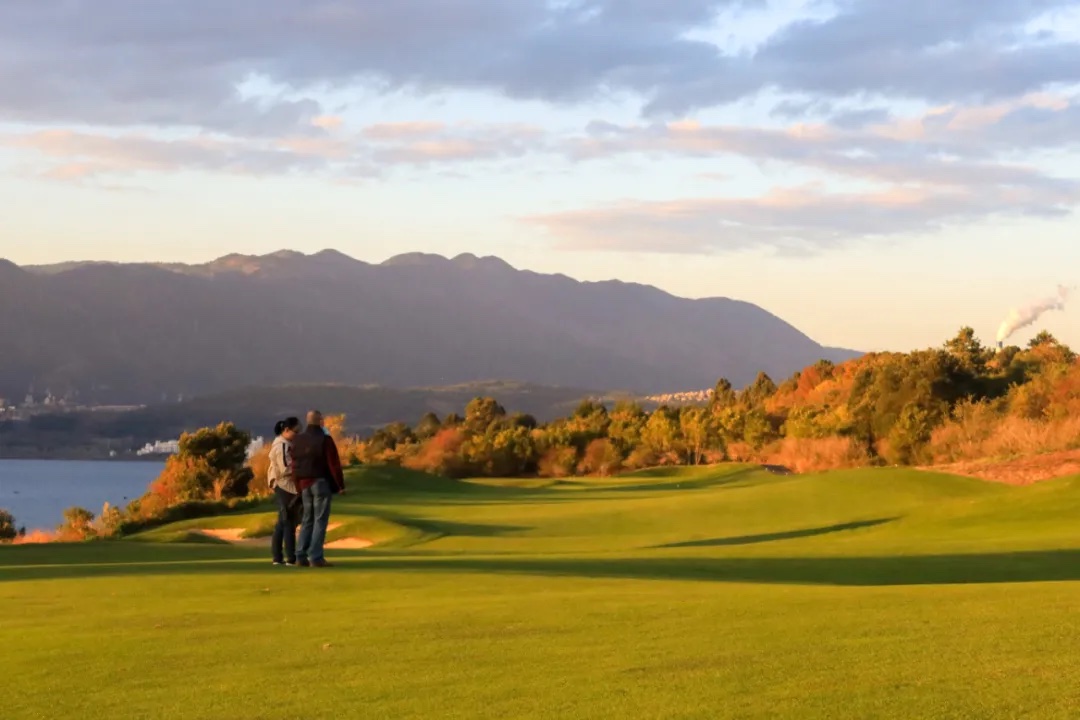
{"x":143,"y":332}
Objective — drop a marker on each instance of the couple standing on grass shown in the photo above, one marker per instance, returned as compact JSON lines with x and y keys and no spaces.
{"x":305,"y":473}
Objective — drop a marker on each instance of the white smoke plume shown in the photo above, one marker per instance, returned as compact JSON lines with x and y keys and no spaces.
{"x":1022,"y":317}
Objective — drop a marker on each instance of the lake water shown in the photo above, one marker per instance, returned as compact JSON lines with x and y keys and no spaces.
{"x":37,"y":492}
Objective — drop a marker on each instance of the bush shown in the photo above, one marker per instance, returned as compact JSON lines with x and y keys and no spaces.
{"x":558,"y":462}
{"x":441,"y":455}
{"x":259,"y":464}
{"x":8,"y":530}
{"x":78,"y":525}
{"x":108,"y":521}
{"x":37,"y":537}
{"x":803,"y":455}
{"x":601,"y":458}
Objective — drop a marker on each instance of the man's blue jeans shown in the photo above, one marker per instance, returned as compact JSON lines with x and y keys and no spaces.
{"x":316,"y":517}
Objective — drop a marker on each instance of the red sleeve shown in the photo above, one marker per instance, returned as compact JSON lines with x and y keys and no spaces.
{"x":333,"y":461}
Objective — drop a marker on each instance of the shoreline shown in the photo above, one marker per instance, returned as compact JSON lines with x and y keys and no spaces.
{"x":82,"y":458}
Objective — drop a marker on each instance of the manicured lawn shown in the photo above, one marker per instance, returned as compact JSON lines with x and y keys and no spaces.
{"x":709,"y":593}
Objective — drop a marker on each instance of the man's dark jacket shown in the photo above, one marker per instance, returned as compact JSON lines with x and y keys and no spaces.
{"x":315,"y":456}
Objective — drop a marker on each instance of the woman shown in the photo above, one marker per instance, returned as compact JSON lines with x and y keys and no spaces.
{"x":281,"y":481}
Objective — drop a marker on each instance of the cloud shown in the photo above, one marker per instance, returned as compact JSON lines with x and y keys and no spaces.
{"x":328,"y":122}
{"x":420,"y":143}
{"x":924,"y":50}
{"x":185,"y":64}
{"x":80,"y":156}
{"x":790,"y":221}
{"x":181,"y":64}
{"x":403,"y":130}
{"x":910,"y":175}
{"x":84,"y":155}
{"x":242,"y":87}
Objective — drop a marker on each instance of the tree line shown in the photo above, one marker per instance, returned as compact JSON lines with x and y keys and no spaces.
{"x":882,"y":408}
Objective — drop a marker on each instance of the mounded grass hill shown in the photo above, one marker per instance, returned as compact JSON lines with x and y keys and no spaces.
{"x":694,"y":593}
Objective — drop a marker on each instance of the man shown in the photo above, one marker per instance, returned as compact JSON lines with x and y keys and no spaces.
{"x":317,"y":469}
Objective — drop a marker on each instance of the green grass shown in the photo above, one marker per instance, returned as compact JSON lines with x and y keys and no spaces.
{"x":724,"y":592}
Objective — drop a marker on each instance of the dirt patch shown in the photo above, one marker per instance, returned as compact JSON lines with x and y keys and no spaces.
{"x":349,"y":544}
{"x":1018,"y":471}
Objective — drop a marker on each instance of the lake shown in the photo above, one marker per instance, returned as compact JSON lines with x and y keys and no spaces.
{"x":37,"y":492}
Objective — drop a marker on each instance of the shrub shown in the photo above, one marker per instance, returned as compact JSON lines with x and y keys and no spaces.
{"x":259,"y":464}
{"x":8,"y":530}
{"x":640,"y":458}
{"x":558,"y":462}
{"x":816,"y":454}
{"x":78,"y":525}
{"x":108,"y":521}
{"x":440,"y":455}
{"x":601,"y":457}
{"x":36,"y":537}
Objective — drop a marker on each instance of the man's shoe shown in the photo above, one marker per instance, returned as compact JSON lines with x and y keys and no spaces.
{"x":321,"y":563}
{"x":303,"y":563}
{"x":278,"y":562}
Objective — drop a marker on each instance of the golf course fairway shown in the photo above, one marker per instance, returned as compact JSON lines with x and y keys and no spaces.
{"x":720,"y":592}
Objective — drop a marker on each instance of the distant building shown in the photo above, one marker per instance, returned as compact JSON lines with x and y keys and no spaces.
{"x":161,"y":447}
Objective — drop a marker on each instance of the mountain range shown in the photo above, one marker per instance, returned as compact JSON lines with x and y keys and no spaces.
{"x":143,"y":333}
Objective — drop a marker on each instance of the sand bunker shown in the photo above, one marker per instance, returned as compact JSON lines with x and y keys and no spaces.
{"x":349,"y":544}
{"x":231,"y":535}
{"x":235,"y":536}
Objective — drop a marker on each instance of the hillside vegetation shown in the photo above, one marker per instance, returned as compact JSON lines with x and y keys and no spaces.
{"x":726,"y":592}
{"x":960,"y":403}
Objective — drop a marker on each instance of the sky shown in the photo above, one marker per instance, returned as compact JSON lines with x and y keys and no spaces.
{"x":877,"y":173}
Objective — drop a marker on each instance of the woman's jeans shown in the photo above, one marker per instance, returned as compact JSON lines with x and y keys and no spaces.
{"x":285,"y":529}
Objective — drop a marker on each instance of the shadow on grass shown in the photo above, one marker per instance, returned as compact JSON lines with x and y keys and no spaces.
{"x":771,"y":537}
{"x":693,"y":483}
{"x":429,"y":490}
{"x":1015,"y":567}
{"x":445,"y":527}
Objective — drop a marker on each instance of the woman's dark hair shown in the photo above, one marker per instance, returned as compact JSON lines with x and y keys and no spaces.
{"x":289,"y":423}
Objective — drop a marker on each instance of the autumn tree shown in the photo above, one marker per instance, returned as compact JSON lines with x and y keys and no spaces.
{"x":589,"y":422}
{"x":223,"y":449}
{"x":211,"y":464}
{"x":626,"y":422}
{"x":661,"y":434}
{"x":428,"y":427}
{"x":335,"y":425}
{"x":759,"y":391}
{"x":699,"y":431}
{"x":1046,"y":349}
{"x":601,"y":458}
{"x":480,"y":413}
{"x":78,"y":523}
{"x":969,"y":353}
{"x":441,"y":454}
{"x":8,"y":530}
{"x":723,"y":396}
